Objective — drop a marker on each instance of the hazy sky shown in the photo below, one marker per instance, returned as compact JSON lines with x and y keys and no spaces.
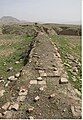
{"x":42,"y":10}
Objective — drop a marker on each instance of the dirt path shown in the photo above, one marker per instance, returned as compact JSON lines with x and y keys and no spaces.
{"x":43,"y":89}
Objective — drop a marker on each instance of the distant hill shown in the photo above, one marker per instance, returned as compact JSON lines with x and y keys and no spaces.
{"x":9,"y":19}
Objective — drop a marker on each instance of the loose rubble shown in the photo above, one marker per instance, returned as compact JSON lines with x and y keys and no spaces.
{"x":12,"y":78}
{"x":6,"y":105}
{"x":63,"y":80}
{"x":36,"y":98}
{"x":2,"y":92}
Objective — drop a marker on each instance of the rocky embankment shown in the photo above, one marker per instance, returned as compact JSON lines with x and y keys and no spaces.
{"x":32,"y":30}
{"x":42,"y":88}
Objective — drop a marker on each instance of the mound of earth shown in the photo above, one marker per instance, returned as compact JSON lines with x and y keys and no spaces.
{"x":41,"y":90}
{"x":31,"y":30}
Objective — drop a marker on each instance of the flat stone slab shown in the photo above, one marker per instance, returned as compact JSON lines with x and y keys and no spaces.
{"x":42,"y":73}
{"x":12,"y":78}
{"x":56,"y":73}
{"x":32,"y":82}
{"x":52,"y":96}
{"x":42,"y":82}
{"x":21,"y":98}
{"x":39,"y":78}
{"x":17,"y":75}
{"x":53,"y":74}
{"x":63,"y":80}
{"x":6,"y":105}
{"x":14,"y":106}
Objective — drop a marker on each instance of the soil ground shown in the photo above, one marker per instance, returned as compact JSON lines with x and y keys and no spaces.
{"x":65,"y":102}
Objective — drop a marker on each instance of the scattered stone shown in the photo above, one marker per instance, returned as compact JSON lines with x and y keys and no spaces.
{"x":42,"y":74}
{"x":56,"y":48}
{"x":5,"y":64}
{"x":6,"y":85}
{"x":17,"y":62}
{"x":40,"y":71}
{"x":41,"y":88}
{"x":63,"y":80}
{"x":74,"y":78}
{"x":53,"y":74}
{"x":12,"y":78}
{"x":6,"y":105}
{"x":21,"y":98}
{"x":14,"y":106}
{"x":2,"y":93}
{"x":1,"y":80}
{"x":30,"y":117}
{"x":21,"y":59}
{"x":74,"y":73}
{"x":8,"y":114}
{"x":78,"y":93}
{"x":23,"y":92}
{"x":52,"y":96}
{"x":58,"y":55}
{"x":65,"y":110}
{"x":36,"y":98}
{"x":36,"y":56}
{"x":42,"y":82}
{"x":75,"y":113}
{"x":17,"y":75}
{"x":33,"y":82}
{"x":1,"y":77}
{"x":71,"y":57}
{"x":30,"y":109}
{"x":75,"y":69}
{"x":9,"y":69}
{"x":39,"y":78}
{"x":30,"y":60}
{"x":66,"y":64}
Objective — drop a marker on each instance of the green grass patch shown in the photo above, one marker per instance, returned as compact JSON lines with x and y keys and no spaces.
{"x":70,"y":45}
{"x":19,"y":44}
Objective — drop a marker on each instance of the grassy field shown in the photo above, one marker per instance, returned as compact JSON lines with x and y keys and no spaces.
{"x":70,"y":50}
{"x":12,"y":48}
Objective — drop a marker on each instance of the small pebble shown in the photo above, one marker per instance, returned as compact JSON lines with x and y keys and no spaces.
{"x":36,"y":98}
{"x":39,"y":78}
{"x":41,"y":88}
{"x":17,"y":62}
{"x":52,"y":96}
{"x":30,"y":109}
{"x":30,"y":117}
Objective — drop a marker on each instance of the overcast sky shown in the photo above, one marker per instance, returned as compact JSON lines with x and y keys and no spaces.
{"x":58,"y":11}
